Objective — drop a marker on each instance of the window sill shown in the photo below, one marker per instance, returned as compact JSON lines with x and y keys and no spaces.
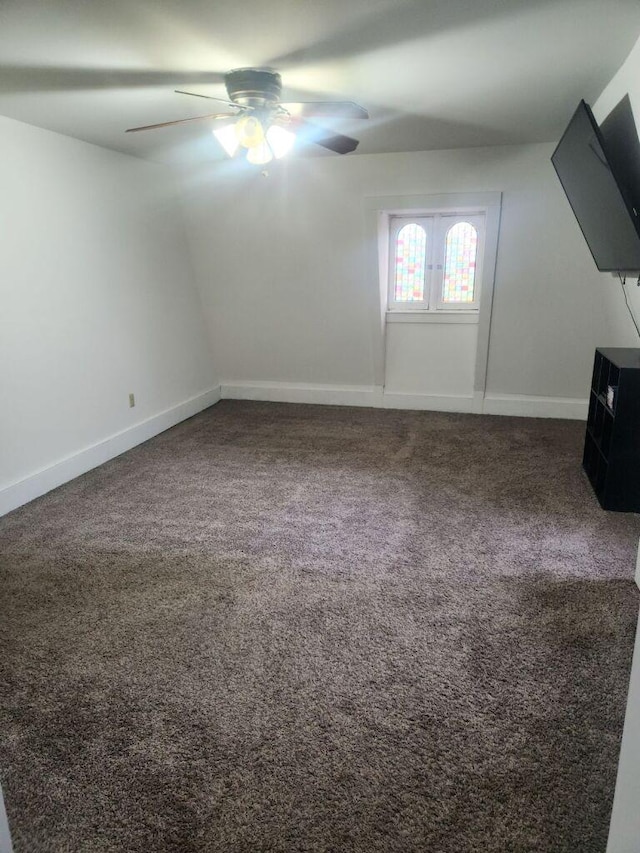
{"x":459,"y":316}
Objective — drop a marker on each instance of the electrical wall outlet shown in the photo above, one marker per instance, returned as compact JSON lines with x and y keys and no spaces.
{"x":132,"y":400}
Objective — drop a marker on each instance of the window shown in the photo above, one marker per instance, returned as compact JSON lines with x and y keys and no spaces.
{"x":435,"y":262}
{"x":460,"y":252}
{"x":410,"y":261}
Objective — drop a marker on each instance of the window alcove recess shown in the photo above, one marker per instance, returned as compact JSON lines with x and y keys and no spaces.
{"x":612,"y":442}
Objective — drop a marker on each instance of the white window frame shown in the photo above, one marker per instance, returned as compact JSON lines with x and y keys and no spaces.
{"x":436,"y":224}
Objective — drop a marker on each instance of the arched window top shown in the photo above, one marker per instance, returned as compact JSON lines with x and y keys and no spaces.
{"x":461,"y":248}
{"x":410,"y":259}
{"x":462,"y":229}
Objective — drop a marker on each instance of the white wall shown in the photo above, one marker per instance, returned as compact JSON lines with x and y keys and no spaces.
{"x":285,"y":273}
{"x":624,"y":832}
{"x":431,"y":358}
{"x":96,"y":299}
{"x":5,"y":835}
{"x":626,"y":81}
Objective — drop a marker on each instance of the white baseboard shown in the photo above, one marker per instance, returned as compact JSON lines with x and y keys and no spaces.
{"x":40,"y":482}
{"x":535,"y":407}
{"x":427,"y":402}
{"x":377,"y":397}
{"x":293,"y":392}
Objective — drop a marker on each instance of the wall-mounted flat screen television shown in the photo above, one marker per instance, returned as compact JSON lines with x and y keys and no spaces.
{"x":602,"y":203}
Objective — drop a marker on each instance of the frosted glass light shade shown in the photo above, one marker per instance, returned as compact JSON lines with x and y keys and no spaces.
{"x":259,"y":154}
{"x":228,"y":138}
{"x":280,"y":140}
{"x":250,"y":131}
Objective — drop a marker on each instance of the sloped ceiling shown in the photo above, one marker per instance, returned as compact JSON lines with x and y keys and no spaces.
{"x":432,"y":73}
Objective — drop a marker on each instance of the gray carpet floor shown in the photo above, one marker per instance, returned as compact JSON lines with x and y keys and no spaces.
{"x":297,"y":628}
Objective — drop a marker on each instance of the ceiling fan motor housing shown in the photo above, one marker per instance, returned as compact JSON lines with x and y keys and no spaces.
{"x":253,"y":87}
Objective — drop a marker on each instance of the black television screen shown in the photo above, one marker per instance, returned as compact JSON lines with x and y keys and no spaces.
{"x":601,"y":204}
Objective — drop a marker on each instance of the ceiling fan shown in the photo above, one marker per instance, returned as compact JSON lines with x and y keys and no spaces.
{"x":262,"y":125}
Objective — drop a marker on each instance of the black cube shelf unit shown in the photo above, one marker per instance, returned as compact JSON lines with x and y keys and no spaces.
{"x":612,"y":442}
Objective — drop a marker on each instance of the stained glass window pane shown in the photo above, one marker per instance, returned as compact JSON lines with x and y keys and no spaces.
{"x":411,"y":249}
{"x":461,"y":247}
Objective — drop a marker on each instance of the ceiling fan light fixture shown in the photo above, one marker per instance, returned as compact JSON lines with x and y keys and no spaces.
{"x":280,"y":140}
{"x":228,"y":138}
{"x":260,"y":154}
{"x":260,"y":115}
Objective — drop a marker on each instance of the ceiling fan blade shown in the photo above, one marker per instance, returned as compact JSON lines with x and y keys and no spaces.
{"x":337,"y":142}
{"x":326,"y":109}
{"x":211,"y":98}
{"x":214,"y":116}
{"x":55,"y":78}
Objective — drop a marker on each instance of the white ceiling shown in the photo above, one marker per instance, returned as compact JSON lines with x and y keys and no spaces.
{"x":432,"y":73}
